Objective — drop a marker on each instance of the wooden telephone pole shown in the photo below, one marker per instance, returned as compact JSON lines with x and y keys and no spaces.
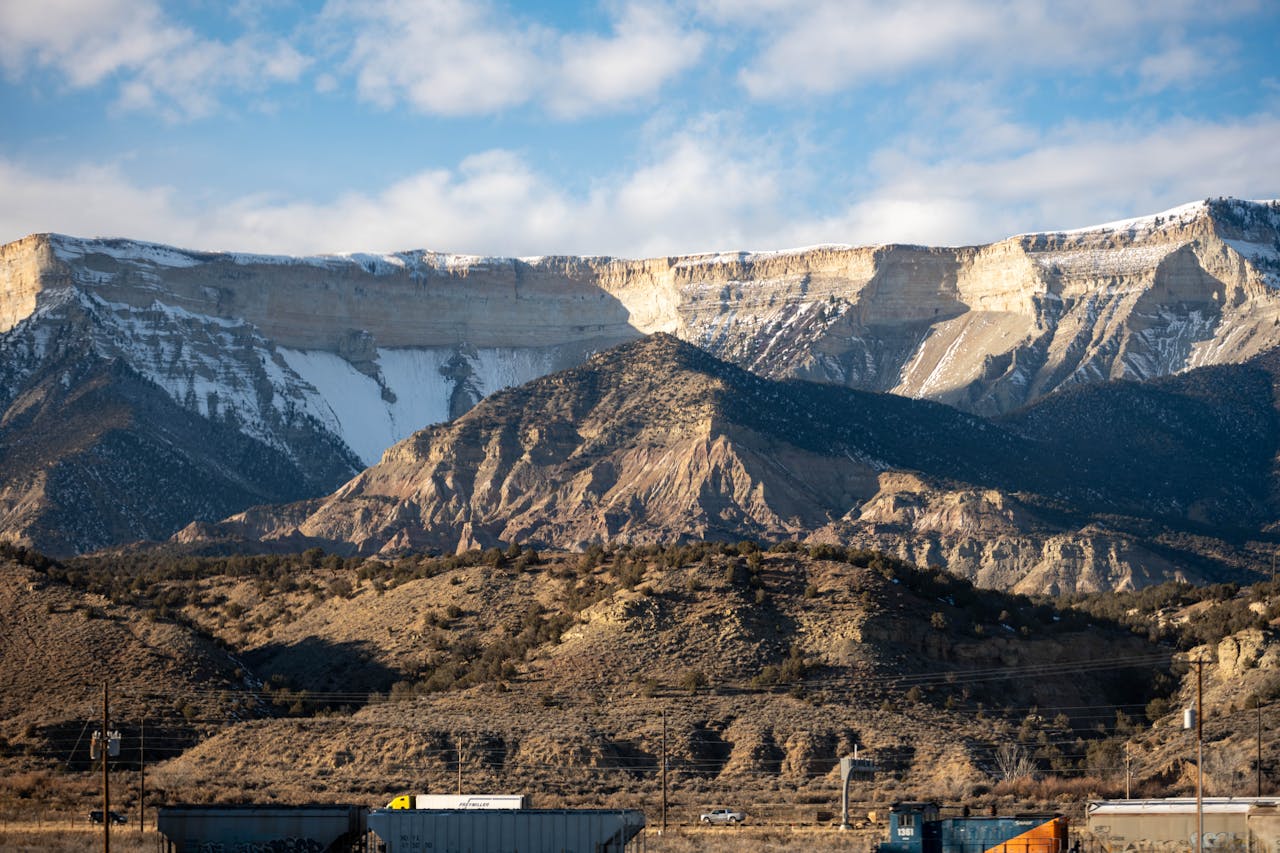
{"x":663,"y":826}
{"x":142,"y":776}
{"x":1258,"y":758}
{"x":1194,"y":718}
{"x":459,"y":745}
{"x":1128,"y":772}
{"x":104,"y":746}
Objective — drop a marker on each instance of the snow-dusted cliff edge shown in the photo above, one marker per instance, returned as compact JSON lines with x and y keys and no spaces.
{"x":372,"y":348}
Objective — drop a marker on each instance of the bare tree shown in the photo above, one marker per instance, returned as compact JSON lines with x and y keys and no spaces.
{"x":1013,"y":763}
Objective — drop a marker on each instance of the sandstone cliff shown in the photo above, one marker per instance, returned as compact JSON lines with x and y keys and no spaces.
{"x":986,"y":328}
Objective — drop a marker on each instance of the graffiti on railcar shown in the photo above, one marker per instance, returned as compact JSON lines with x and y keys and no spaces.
{"x":276,"y":845}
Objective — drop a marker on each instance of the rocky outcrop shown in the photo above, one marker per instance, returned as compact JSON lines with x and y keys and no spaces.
{"x":1000,"y":542}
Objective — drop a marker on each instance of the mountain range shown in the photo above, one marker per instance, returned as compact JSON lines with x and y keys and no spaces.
{"x":656,"y":441}
{"x":143,"y":387}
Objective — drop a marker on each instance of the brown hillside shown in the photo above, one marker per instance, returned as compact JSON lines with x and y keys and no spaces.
{"x":553,"y":677}
{"x":60,"y":645}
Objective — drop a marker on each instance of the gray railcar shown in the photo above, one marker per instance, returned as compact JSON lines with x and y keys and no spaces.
{"x":506,"y":831}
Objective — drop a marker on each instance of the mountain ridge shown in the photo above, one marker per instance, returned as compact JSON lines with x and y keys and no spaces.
{"x":353,"y":353}
{"x":657,"y":441}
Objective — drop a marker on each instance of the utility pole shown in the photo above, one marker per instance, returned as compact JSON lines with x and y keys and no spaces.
{"x":142,"y":776}
{"x":663,"y":826}
{"x":1128,"y":772}
{"x":1200,"y":754}
{"x":106,"y":779}
{"x":1258,"y":759}
{"x":459,"y":739}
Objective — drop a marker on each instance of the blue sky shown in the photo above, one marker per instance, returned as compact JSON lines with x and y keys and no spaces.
{"x":625,"y":128}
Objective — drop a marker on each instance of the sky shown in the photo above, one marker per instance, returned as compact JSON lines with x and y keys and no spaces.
{"x":632,"y":129}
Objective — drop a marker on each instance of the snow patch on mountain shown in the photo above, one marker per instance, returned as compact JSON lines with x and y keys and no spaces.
{"x":357,"y":408}
{"x":1164,"y":347}
{"x":71,"y":249}
{"x":225,"y":369}
{"x":498,"y":368}
{"x":1266,"y":253}
{"x":1183,"y":214}
{"x":350,"y":404}
{"x":141,"y":254}
{"x":748,"y":257}
{"x":1108,"y":261}
{"x":209,"y":365}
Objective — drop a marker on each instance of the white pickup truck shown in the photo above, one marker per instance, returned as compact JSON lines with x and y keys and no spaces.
{"x":728,"y":816}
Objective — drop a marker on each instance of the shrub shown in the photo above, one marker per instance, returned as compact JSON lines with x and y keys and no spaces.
{"x":340,"y":587}
{"x":692,"y":679}
{"x":629,"y":573}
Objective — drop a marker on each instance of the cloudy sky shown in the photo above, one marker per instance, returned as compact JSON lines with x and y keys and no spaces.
{"x":625,"y":128}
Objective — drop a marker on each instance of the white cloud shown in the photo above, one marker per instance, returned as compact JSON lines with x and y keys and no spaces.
{"x":646,"y":49}
{"x":158,"y":63}
{"x":823,"y":46}
{"x":1178,"y":65}
{"x":442,"y":56}
{"x":1070,"y":177}
{"x":835,"y":44}
{"x":705,"y":189}
{"x":469,"y":57}
{"x":89,"y":199}
{"x":701,"y":190}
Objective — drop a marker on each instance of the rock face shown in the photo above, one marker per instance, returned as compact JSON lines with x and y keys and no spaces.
{"x":416,"y":335}
{"x":655,"y":441}
{"x":353,"y":353}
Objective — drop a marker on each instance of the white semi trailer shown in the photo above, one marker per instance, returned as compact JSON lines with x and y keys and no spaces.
{"x":459,"y":801}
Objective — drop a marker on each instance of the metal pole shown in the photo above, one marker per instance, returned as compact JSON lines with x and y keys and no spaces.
{"x":1200,"y":754}
{"x":846,"y":772}
{"x":663,"y":826}
{"x":1259,"y":755}
{"x":105,"y":744}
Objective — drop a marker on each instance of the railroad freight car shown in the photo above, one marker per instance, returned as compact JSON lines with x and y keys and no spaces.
{"x":201,"y":829}
{"x":1171,"y":824}
{"x":920,"y":828}
{"x":506,"y":830}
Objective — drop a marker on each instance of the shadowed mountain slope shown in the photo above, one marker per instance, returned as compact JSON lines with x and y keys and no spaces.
{"x":657,"y":441}
{"x":95,"y":455}
{"x":651,"y":441}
